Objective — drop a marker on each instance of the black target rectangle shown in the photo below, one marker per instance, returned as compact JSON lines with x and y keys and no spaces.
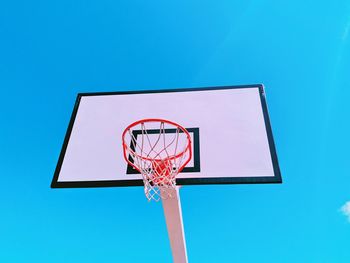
{"x":196,"y":150}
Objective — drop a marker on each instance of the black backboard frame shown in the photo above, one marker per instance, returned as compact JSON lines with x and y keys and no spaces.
{"x":277,"y":178}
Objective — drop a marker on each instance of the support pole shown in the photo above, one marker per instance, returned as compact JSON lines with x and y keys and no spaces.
{"x":173,"y":217}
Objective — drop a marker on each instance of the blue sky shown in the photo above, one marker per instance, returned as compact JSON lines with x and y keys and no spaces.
{"x":300,"y":51}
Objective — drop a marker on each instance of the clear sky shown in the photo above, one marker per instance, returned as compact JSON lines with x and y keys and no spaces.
{"x":300,"y":51}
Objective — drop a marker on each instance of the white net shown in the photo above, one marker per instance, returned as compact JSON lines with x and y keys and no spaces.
{"x":159,"y":150}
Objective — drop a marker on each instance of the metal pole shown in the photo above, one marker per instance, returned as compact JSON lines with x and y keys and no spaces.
{"x":173,"y":217}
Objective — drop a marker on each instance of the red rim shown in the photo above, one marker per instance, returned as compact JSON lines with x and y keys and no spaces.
{"x":188,"y":147}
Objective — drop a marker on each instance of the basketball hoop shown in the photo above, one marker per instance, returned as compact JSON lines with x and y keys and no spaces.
{"x":159,"y":149}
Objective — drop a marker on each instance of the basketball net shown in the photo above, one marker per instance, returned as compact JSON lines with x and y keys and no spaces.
{"x":159,"y":149}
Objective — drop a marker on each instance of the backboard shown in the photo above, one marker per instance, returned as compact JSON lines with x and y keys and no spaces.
{"x":231,"y":136}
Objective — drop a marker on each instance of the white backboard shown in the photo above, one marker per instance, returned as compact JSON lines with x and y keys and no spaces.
{"x":229,"y":127}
